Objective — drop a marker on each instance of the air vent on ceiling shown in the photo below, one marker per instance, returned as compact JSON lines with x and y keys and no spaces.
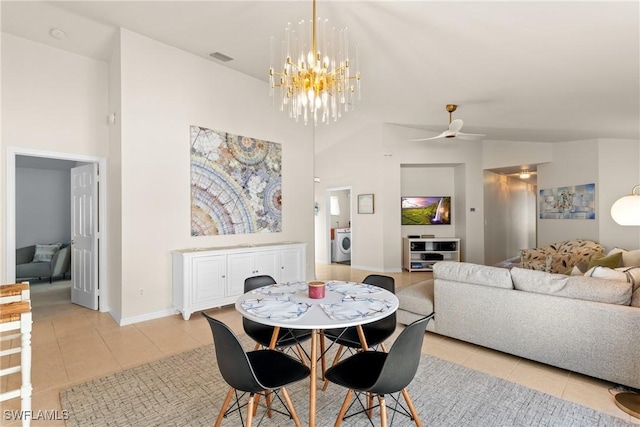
{"x":220,"y":57}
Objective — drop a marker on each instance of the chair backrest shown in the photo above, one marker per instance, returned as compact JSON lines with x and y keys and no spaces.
{"x":255,"y":282}
{"x":251,"y":283}
{"x":389,"y":284}
{"x":384,"y":282}
{"x":403,"y":359}
{"x":232,"y":360}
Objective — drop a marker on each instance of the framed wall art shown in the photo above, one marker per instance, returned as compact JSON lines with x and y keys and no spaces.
{"x":577,"y":202}
{"x":365,"y":203}
{"x":236,"y":184}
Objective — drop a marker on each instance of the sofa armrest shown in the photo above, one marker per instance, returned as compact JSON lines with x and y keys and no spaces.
{"x":25,"y":255}
{"x":61,"y":261}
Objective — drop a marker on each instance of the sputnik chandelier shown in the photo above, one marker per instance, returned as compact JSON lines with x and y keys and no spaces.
{"x":317,"y":81}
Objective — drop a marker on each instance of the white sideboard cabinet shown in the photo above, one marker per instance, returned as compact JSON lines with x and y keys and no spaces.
{"x":213,"y":277}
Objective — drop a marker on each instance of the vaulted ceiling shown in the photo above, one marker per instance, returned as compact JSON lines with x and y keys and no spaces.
{"x":526,"y":71}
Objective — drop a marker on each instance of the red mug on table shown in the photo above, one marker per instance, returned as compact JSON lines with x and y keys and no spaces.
{"x":316,"y":290}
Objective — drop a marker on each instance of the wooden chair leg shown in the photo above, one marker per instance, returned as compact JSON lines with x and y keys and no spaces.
{"x":412,"y":408}
{"x":343,"y":409}
{"x":250,"y":409}
{"x":335,"y":360}
{"x":224,"y":407}
{"x":383,"y":410}
{"x":292,"y":410}
{"x":369,"y":405}
{"x":301,"y":355}
{"x":269,"y":399}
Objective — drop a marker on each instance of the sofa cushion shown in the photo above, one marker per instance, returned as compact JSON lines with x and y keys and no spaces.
{"x":44,"y":253}
{"x":579,"y":287}
{"x":417,"y":298}
{"x":473,"y":273}
{"x":629,"y":274}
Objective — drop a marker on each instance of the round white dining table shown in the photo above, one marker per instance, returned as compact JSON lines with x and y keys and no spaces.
{"x":316,"y":318}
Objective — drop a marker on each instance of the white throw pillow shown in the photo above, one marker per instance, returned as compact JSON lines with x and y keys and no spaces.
{"x":575,"y":271}
{"x":607,"y":273}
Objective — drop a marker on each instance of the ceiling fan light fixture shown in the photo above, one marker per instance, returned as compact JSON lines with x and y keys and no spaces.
{"x":454,"y":128}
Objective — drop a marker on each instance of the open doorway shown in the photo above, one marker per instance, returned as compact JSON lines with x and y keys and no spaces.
{"x":25,"y":168}
{"x":339,"y":224}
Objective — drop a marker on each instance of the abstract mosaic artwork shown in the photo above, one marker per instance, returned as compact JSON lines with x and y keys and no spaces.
{"x":578,"y":202}
{"x":236,"y":184}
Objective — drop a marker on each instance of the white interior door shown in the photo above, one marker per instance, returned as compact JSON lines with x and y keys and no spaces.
{"x":84,"y":236}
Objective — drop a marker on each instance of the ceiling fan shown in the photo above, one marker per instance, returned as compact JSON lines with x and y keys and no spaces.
{"x":454,"y":129}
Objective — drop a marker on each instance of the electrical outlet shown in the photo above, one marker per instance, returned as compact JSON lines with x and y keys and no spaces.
{"x":141,"y":292}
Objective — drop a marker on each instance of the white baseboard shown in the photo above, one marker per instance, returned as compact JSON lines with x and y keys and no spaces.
{"x":144,"y":317}
{"x":376,"y":269}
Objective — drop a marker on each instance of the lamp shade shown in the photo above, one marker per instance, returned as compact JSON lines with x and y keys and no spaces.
{"x":626,"y":210}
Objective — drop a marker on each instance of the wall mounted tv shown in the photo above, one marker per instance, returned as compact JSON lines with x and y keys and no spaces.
{"x":432,"y":210}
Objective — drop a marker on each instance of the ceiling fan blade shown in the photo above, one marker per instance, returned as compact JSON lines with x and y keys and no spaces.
{"x":442,"y":135}
{"x":455,"y":126}
{"x":461,"y":135}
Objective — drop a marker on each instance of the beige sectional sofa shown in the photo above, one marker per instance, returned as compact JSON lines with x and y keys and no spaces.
{"x":579,"y":323}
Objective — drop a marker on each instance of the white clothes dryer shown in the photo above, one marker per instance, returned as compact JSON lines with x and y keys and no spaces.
{"x":342,"y":242}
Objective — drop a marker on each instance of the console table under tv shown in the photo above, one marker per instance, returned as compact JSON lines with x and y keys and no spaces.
{"x":421,"y":254}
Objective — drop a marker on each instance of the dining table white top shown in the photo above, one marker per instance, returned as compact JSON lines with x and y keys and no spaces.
{"x":345,"y":304}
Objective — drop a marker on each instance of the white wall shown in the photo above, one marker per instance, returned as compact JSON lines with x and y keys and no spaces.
{"x":510,"y":217}
{"x":575,"y":163}
{"x":609,"y":163}
{"x":52,"y":101}
{"x":370,"y":159}
{"x":59,"y":102}
{"x":163,"y":91}
{"x":43,"y":206}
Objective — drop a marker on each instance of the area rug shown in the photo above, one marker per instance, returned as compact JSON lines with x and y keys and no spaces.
{"x":187,"y":390}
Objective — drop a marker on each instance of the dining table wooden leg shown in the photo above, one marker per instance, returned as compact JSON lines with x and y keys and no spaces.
{"x":363,"y":339}
{"x":274,"y":337}
{"x":313,"y":379}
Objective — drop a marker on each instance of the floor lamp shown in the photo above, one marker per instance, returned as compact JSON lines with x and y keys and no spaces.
{"x":626,"y":211}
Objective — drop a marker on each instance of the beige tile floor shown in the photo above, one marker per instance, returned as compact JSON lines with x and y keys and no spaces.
{"x":72,"y":345}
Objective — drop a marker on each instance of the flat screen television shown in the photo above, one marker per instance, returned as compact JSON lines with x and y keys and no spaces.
{"x":431,"y":210}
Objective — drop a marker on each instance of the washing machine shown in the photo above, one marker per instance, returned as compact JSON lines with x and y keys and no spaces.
{"x":342,"y":245}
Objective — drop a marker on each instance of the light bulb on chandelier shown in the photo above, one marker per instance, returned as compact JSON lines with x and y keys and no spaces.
{"x":316,"y":76}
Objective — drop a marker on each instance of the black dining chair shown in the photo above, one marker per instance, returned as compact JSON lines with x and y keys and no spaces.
{"x":259,"y":372}
{"x":262,"y":334}
{"x":376,"y":333}
{"x":378,"y":373}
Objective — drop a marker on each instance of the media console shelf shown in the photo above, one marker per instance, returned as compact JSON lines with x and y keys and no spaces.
{"x":421,"y":254}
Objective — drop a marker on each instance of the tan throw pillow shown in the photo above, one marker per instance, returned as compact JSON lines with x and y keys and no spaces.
{"x":629,"y":258}
{"x":611,"y":261}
